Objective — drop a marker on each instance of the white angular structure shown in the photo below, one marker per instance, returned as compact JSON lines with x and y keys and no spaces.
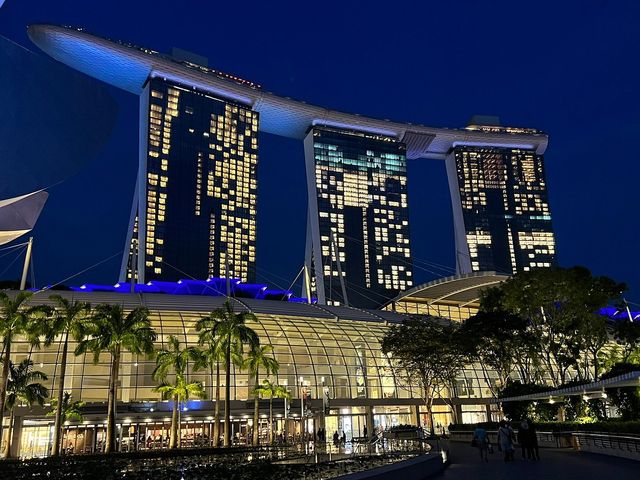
{"x":18,"y":215}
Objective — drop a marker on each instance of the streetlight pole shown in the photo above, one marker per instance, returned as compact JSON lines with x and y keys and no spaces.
{"x":302,"y":418}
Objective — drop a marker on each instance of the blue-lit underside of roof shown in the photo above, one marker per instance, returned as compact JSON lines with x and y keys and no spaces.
{"x":213,"y":287}
{"x":618,"y":314}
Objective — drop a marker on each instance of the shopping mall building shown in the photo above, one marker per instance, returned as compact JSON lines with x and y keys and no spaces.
{"x":329,"y":355}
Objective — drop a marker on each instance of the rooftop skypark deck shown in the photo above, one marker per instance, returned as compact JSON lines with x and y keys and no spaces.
{"x":129,"y":67}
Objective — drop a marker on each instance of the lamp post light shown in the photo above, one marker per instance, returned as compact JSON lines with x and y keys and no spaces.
{"x":302,"y":418}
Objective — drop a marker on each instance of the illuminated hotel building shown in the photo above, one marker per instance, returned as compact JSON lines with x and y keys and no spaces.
{"x":199,"y":186}
{"x":357,"y":181}
{"x":358,"y":222}
{"x":501,"y":208}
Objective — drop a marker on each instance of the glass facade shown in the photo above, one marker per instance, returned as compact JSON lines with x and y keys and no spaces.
{"x":343,"y":356}
{"x":453,"y":311}
{"x":200,"y":188}
{"x":334,"y":362}
{"x":505,"y":210}
{"x":362,"y":232}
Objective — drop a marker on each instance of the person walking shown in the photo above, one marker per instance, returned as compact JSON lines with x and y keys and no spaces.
{"x":523,"y":438}
{"x":481,"y":441}
{"x":505,"y":440}
{"x":533,"y":452}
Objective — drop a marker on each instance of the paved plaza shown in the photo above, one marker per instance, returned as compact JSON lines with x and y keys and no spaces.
{"x":560,"y":464}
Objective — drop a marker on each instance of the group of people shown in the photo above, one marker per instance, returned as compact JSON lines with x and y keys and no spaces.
{"x":526,"y":438}
{"x":339,"y":439}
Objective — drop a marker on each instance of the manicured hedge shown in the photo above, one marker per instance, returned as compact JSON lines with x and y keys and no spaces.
{"x":612,"y":426}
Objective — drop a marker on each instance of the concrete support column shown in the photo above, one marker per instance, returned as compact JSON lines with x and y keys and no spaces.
{"x":15,"y":436}
{"x":370,"y":424}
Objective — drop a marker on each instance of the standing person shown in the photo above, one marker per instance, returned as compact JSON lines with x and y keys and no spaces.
{"x":523,"y":438}
{"x":366,"y":432}
{"x":532,"y":448}
{"x":481,"y":440}
{"x":505,"y":440}
{"x":344,"y":438}
{"x":335,"y":438}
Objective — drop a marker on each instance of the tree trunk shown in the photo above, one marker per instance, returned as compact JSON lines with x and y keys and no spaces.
{"x":227,"y":391}
{"x":57,"y":428}
{"x":5,"y":380}
{"x":111,"y":409}
{"x":173,"y":435}
{"x":256,"y":414}
{"x":9,"y":433}
{"x":271,"y":420}
{"x":216,"y":412}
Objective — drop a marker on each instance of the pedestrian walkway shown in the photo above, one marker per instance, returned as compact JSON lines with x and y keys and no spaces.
{"x":555,"y":464}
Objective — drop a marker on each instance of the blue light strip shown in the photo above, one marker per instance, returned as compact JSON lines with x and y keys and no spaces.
{"x":212,"y":287}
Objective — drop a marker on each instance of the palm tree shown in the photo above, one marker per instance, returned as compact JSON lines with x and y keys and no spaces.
{"x":259,"y":358}
{"x":68,"y":320}
{"x":211,"y":355}
{"x":233,"y":334}
{"x":23,"y":388}
{"x":15,"y":319}
{"x":180,"y":391}
{"x":176,"y":359}
{"x":281,"y":391}
{"x":69,"y":410}
{"x":271,"y":390}
{"x":111,"y":330}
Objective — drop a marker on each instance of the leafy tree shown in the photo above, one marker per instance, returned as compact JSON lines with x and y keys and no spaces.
{"x":627,"y":335}
{"x":499,"y":341}
{"x":425,"y":350}
{"x":176,"y":359}
{"x":258,"y":358}
{"x":23,"y":387}
{"x":560,"y":307}
{"x":16,"y":318}
{"x":67,"y":321}
{"x":233,"y":334}
{"x":625,"y":399}
{"x":113,"y":331}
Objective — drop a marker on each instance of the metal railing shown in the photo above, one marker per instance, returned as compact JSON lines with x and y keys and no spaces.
{"x":606,"y":441}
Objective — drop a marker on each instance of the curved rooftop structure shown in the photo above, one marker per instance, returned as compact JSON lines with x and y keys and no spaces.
{"x":18,"y":215}
{"x":129,"y":67}
{"x":456,"y":297}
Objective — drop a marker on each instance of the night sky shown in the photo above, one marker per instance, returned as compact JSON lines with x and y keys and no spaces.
{"x":568,"y":68}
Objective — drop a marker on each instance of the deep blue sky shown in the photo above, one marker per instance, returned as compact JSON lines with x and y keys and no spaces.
{"x":569,"y":68}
